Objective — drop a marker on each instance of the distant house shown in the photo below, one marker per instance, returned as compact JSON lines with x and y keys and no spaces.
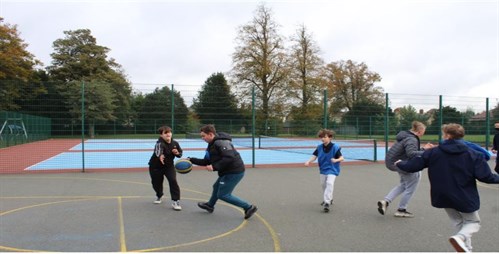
{"x":481,"y":117}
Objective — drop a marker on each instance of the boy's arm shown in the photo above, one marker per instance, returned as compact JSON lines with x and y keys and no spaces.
{"x":201,"y":162}
{"x":415,"y":164}
{"x":411,"y":148}
{"x":338,"y":157}
{"x":482,"y":171}
{"x":179,"y":150}
{"x":313,"y":158}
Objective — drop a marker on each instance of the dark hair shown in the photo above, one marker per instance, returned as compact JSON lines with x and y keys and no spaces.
{"x":164,"y":129}
{"x":326,"y":132}
{"x":209,"y":128}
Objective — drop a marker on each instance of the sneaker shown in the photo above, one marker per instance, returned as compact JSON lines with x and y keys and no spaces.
{"x":457,"y":242}
{"x":176,"y":205}
{"x":322,"y":204}
{"x":250,"y":211}
{"x":157,"y":201}
{"x":206,"y":207}
{"x":382,"y":205}
{"x":402,"y":213}
{"x":326,"y":208}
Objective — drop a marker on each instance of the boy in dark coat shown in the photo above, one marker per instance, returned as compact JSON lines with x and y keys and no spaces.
{"x":452,"y":170}
{"x":495,"y":146}
{"x":221,"y":156}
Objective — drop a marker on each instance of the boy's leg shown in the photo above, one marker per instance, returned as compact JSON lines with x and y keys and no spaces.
{"x":410,"y":183}
{"x":171,"y":176}
{"x":395,"y":191}
{"x":214,"y":193}
{"x":157,"y":181}
{"x":226,"y":185}
{"x":465,"y":224}
{"x":328,"y":192}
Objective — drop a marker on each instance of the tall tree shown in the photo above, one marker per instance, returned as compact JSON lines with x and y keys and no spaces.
{"x":260,"y":61}
{"x":349,"y":82}
{"x":215,"y":104}
{"x":305,"y":83}
{"x":78,"y":57}
{"x":17,"y":68}
{"x":156,"y":110}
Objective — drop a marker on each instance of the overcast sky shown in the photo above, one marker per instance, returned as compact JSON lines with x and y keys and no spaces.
{"x":432,"y":47}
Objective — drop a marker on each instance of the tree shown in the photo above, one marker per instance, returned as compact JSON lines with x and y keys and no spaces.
{"x":367,"y":117}
{"x":260,"y":61}
{"x":17,"y":69}
{"x":156,"y":110}
{"x":215,"y":104}
{"x":305,"y":83}
{"x":349,"y":82}
{"x":77,"y":57}
{"x":408,"y":114}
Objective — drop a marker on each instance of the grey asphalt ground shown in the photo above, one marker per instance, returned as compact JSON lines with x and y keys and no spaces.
{"x":113,"y":212}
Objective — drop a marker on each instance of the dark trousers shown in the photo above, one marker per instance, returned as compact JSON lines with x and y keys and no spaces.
{"x":157,"y":177}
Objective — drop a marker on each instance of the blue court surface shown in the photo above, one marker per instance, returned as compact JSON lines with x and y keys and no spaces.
{"x":135,"y":153}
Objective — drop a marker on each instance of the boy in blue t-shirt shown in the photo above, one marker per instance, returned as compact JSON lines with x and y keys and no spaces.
{"x":329,"y":157}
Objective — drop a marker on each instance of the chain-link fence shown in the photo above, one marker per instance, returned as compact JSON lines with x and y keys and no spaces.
{"x":92,"y":111}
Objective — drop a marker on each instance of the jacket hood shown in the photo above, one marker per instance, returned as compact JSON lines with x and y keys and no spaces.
{"x":453,"y":146}
{"x":222,"y":135}
{"x":403,"y":135}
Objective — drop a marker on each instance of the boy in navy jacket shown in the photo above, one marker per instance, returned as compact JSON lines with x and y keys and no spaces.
{"x":452,"y":170}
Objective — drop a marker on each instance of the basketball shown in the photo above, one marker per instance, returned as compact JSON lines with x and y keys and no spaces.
{"x":183,"y":166}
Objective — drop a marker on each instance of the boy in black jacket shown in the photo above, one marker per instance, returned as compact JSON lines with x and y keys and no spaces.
{"x":452,"y":170}
{"x":221,"y":156}
{"x":161,"y":165}
{"x":495,"y":146}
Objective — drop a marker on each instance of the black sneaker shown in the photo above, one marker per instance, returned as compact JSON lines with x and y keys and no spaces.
{"x":326,"y":208}
{"x":322,"y":204}
{"x":250,"y":211}
{"x":206,"y":207}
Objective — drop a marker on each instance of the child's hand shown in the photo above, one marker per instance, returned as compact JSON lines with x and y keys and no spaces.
{"x":175,"y":151}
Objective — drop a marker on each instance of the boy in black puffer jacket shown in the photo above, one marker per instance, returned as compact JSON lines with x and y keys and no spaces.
{"x":221,"y":156}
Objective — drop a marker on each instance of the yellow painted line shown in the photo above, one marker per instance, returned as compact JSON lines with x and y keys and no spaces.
{"x":273,"y":234}
{"x":123,"y":248}
{"x":32,"y":206}
{"x":122,"y":226}
{"x":18,"y":250}
{"x":488,"y":186}
{"x":44,"y":204}
{"x":196,"y":242}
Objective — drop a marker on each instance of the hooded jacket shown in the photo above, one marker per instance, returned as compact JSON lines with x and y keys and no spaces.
{"x":406,"y":147}
{"x":452,"y":170}
{"x":163,"y":148}
{"x":222,"y":156}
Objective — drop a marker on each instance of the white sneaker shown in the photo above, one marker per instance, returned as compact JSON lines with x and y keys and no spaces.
{"x":382,"y":205}
{"x":176,"y":206}
{"x":457,"y":242}
{"x":157,"y":201}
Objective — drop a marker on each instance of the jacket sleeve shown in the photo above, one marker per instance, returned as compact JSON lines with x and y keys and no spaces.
{"x":482,"y":171}
{"x":201,"y":162}
{"x":179,"y":149}
{"x":415,"y":164}
{"x":411,"y":148}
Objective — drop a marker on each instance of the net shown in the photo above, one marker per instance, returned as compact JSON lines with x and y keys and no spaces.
{"x":358,"y":149}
